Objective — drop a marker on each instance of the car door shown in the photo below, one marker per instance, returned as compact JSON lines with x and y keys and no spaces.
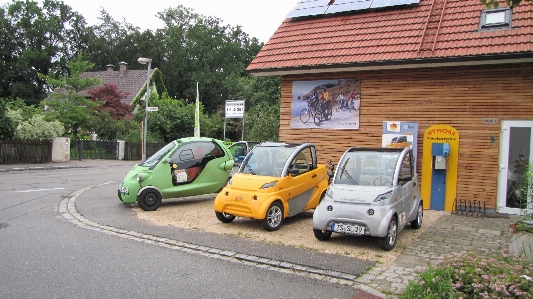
{"x":407,"y":187}
{"x":302,"y":181}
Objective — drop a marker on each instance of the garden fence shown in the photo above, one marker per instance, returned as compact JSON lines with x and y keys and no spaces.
{"x":14,"y":151}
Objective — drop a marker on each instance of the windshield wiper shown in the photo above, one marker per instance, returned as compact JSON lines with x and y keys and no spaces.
{"x":345,"y":172}
{"x":250,"y":169}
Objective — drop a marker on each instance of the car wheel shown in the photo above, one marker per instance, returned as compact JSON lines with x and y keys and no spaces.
{"x":389,"y":241}
{"x":322,"y":235}
{"x":417,"y":223}
{"x":273,"y":218}
{"x":149,"y":200}
{"x":225,"y":217}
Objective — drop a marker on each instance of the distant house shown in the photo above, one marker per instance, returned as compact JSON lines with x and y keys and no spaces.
{"x":131,"y":82}
{"x":450,"y":74}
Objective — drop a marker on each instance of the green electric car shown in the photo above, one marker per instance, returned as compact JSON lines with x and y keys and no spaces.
{"x":184,"y":167}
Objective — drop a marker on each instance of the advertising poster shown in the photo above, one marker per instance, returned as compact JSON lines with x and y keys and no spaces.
{"x":400,"y":134}
{"x":326,"y":104}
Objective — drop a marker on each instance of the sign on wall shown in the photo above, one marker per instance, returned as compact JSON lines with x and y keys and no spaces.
{"x":400,"y":134}
{"x":235,"y":109}
{"x":326,"y":104}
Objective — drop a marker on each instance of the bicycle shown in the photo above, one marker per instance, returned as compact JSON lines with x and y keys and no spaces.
{"x":322,"y":113}
{"x":308,"y":112}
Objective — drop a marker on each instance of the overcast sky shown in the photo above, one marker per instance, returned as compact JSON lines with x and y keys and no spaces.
{"x":258,"y":18}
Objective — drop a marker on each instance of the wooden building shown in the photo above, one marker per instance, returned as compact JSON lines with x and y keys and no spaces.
{"x":435,"y":63}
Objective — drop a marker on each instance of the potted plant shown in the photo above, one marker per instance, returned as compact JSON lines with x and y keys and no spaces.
{"x":521,"y":234}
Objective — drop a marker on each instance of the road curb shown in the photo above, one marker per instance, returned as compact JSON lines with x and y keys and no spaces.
{"x":67,"y":208}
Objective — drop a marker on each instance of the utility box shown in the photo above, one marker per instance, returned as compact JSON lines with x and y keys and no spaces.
{"x":61,"y":149}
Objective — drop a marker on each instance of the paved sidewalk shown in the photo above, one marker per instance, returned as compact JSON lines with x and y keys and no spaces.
{"x":451,"y":233}
{"x":86,"y":163}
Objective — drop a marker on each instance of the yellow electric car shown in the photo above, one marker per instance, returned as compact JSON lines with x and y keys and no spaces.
{"x":275,"y":181}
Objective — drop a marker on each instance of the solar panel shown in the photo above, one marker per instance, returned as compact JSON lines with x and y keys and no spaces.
{"x":321,"y":7}
{"x":387,"y":3}
{"x":309,"y":8}
{"x":348,"y":5}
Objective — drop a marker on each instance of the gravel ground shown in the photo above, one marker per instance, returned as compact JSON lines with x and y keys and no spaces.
{"x":196,"y":213}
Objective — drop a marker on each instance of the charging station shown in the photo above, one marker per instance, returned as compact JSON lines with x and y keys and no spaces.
{"x":439,"y":167}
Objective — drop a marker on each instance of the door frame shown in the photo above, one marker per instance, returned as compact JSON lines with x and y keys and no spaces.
{"x":505,"y":134}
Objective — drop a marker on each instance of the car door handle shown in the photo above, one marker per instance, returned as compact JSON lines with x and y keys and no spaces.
{"x":314,"y":176}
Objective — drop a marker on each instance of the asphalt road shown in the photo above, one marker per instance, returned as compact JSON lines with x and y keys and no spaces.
{"x":45,"y":255}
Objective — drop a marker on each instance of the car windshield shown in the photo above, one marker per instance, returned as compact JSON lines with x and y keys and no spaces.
{"x":155,"y":158}
{"x":265,"y":160}
{"x":370,"y":168}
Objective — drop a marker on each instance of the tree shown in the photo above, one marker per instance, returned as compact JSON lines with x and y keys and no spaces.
{"x":111,"y":98}
{"x":7,"y":127}
{"x":66,"y":104}
{"x":494,"y":3}
{"x":200,"y":49}
{"x":111,"y":42}
{"x":36,"y":39}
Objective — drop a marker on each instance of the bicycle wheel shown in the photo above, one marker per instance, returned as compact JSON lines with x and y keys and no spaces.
{"x":305,"y":114}
{"x":318,"y":116}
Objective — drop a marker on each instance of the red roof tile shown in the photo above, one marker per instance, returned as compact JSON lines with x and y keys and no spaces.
{"x":390,"y":35}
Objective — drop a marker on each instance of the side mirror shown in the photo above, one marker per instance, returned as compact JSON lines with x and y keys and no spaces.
{"x":167,"y":160}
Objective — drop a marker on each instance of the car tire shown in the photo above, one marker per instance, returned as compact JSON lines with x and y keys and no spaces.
{"x":389,"y":241}
{"x":417,"y":223}
{"x":149,"y":200}
{"x":322,"y":235}
{"x":274,"y":217}
{"x":224,"y":217}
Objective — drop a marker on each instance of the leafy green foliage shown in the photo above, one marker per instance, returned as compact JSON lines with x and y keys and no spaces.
{"x":200,"y":49}
{"x":474,"y":275}
{"x":30,"y":122}
{"x":66,"y":105}
{"x":36,"y":37}
{"x":494,"y":3}
{"x":262,"y":123}
{"x":7,"y":126}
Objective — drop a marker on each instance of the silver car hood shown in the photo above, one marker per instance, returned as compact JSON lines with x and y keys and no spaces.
{"x":357,"y":193}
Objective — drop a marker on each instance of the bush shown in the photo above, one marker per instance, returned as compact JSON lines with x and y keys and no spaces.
{"x":474,"y":275}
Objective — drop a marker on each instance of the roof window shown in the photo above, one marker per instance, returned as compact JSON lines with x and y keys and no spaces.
{"x":499,"y":18}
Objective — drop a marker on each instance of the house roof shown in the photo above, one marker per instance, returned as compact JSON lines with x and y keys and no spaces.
{"x":127,"y":81}
{"x":392,"y":38}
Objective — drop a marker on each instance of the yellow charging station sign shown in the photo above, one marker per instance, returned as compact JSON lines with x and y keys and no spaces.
{"x":440,"y":134}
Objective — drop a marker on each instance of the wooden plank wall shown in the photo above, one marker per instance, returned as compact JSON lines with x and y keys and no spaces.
{"x":455,"y":96}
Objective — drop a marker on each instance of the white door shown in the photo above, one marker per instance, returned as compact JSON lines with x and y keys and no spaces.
{"x":516,"y":152}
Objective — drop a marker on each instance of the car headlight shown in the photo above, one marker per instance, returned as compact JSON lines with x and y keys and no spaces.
{"x":329,"y":193}
{"x":139,"y":177}
{"x":229,"y":182}
{"x":383,"y":196}
{"x":269,"y":185}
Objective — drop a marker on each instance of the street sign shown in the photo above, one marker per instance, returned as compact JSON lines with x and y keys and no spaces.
{"x":152,"y":109}
{"x":234,"y":109}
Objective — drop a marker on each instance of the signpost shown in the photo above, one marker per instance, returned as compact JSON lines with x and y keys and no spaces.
{"x":152,"y":109}
{"x":234,"y":109}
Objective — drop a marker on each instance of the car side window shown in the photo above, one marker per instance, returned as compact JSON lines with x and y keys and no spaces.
{"x":302,"y":162}
{"x":407,"y":167}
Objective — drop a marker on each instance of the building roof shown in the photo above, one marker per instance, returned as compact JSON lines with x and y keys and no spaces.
{"x":127,"y":81}
{"x":395,"y":37}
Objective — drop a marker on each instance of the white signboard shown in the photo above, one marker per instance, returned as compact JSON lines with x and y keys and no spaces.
{"x":152,"y":109}
{"x":234,"y":109}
